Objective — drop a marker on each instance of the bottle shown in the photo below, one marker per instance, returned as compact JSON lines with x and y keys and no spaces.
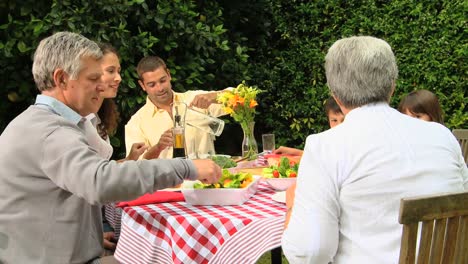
{"x":179,"y":139}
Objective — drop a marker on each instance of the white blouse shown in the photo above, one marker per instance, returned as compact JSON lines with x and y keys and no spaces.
{"x":101,"y":146}
{"x":351,"y":179}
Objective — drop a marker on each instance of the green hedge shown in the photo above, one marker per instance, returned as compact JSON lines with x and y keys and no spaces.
{"x":189,"y":36}
{"x":428,"y":38}
{"x":277,"y":45}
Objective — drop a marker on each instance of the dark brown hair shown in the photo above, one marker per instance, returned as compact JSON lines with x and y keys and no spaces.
{"x":108,"y":112}
{"x":422,"y":102}
{"x":148,"y":64}
{"x":332,"y":106}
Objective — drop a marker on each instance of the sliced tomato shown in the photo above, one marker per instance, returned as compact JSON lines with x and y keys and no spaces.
{"x":276,"y":174}
{"x":227,"y":181}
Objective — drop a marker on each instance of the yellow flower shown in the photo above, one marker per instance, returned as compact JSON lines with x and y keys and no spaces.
{"x":228,"y":110}
{"x":240,"y":102}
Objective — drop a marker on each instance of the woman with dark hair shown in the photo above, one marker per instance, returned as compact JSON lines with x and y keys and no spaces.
{"x":105,"y":121}
{"x":107,"y":117}
{"x":422,"y":104}
{"x":108,"y":112}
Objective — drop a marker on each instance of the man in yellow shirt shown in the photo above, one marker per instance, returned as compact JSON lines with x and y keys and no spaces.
{"x":153,"y":122}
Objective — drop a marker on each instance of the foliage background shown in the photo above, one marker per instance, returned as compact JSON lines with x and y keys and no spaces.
{"x":275,"y":44}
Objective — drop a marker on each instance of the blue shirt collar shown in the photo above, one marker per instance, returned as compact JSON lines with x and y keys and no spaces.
{"x":59,"y":108}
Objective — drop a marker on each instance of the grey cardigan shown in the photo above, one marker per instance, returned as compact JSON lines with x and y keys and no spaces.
{"x":52,"y":184}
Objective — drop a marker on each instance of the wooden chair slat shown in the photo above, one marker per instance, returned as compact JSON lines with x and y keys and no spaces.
{"x":425,"y":242}
{"x":462,"y":137}
{"x":408,"y":244}
{"x":450,"y":239}
{"x":461,"y":247}
{"x":437,"y":243}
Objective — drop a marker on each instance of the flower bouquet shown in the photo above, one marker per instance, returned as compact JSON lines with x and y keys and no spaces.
{"x":240,"y":103}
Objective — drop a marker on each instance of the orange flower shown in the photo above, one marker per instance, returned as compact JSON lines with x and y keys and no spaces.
{"x":253,"y":104}
{"x":234,"y":100}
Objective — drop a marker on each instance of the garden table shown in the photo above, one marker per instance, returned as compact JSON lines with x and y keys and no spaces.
{"x":178,"y":232}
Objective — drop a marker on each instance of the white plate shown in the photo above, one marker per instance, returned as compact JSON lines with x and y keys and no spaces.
{"x":172,"y":189}
{"x":280,"y":197}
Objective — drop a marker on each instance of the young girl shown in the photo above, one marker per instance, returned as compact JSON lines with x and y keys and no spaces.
{"x":423,"y":105}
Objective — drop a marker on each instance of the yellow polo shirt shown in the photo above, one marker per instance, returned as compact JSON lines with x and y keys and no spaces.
{"x":149,"y":123}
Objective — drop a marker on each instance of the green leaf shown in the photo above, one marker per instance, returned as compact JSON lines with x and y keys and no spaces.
{"x":22,"y":47}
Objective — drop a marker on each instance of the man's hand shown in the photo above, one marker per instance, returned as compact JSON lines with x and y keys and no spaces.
{"x":165,"y":141}
{"x":203,"y":101}
{"x":136,"y":151}
{"x":109,"y":240}
{"x":208,"y":171}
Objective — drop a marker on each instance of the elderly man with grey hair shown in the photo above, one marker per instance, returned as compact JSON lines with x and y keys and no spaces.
{"x":52,"y":181}
{"x":352,"y":177}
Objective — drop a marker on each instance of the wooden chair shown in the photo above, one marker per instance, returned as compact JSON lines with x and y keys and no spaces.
{"x":462,"y":137}
{"x":444,"y":232}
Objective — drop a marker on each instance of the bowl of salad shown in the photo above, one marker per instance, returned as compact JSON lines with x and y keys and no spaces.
{"x":281,"y":176}
{"x":231,"y":189}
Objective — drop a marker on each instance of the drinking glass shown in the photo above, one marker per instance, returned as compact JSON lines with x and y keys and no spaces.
{"x":192,"y":152}
{"x":268,"y":142}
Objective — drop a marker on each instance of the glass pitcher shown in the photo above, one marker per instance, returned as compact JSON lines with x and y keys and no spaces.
{"x":208,"y":124}
{"x":200,"y":120}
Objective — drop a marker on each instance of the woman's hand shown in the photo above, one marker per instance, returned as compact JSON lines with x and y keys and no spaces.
{"x":109,"y":240}
{"x":288,"y":151}
{"x":136,"y":151}
{"x":290,"y":192}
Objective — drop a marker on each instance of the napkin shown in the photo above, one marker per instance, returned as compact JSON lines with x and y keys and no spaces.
{"x":156,"y":197}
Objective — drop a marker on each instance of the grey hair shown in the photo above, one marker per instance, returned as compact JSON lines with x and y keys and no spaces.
{"x":62,"y":50}
{"x":361,"y":70}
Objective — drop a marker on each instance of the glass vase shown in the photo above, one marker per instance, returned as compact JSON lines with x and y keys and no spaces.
{"x":249,"y":144}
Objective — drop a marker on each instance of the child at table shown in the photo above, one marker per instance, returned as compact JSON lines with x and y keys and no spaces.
{"x":422,"y":104}
{"x":334,"y":114}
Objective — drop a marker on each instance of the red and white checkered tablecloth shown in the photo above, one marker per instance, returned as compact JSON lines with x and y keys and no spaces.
{"x":182,"y":233}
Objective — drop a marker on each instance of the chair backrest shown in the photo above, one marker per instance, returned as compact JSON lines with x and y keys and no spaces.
{"x":462,"y":137}
{"x":444,"y":232}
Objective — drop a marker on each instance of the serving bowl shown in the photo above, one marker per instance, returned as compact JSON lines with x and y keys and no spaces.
{"x":274,"y":159}
{"x":280,"y":184}
{"x":222,"y":196}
